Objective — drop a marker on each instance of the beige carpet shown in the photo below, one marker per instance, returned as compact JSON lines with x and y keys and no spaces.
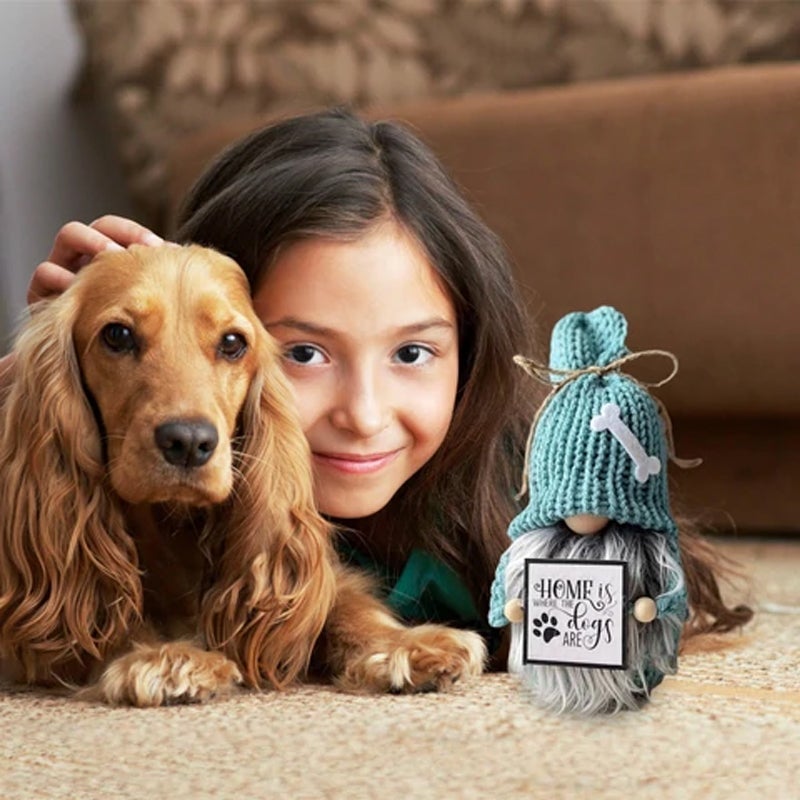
{"x":727,"y":727}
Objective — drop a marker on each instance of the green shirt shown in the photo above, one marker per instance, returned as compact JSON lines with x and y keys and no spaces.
{"x":425,"y":590}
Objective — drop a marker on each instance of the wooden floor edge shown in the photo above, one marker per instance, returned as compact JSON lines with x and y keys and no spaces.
{"x":684,"y":686}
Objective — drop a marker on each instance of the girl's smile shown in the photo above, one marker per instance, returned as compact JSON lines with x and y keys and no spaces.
{"x":370,"y":347}
{"x":353,"y":463}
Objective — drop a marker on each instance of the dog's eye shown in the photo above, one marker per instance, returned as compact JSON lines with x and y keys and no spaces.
{"x":232,"y":346}
{"x":119,"y":338}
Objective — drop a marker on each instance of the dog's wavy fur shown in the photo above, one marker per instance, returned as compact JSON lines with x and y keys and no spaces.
{"x":122,"y":574}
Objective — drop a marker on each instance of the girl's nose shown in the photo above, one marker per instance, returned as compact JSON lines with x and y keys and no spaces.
{"x":361,"y":407}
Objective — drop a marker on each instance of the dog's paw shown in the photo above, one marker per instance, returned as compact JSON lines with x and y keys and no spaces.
{"x":177,"y":672}
{"x":426,"y":658}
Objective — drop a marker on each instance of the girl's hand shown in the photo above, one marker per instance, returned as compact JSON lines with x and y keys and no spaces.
{"x":76,"y":244}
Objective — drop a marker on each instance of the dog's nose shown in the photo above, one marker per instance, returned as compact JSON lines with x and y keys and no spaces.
{"x":187,"y":443}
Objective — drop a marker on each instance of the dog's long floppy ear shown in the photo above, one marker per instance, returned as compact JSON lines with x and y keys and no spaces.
{"x":69,"y":586}
{"x":274,"y":583}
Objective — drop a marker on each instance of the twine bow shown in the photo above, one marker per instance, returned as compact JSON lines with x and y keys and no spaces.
{"x":545,"y":374}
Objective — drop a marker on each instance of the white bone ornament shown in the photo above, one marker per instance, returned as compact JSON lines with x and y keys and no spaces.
{"x":609,"y":420}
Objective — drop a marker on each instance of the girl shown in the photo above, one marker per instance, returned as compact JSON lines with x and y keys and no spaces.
{"x":399,"y":319}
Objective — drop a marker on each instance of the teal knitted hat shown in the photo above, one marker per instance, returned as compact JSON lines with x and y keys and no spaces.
{"x":599,"y":445}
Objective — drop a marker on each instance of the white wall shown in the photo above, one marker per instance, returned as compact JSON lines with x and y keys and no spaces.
{"x":54,"y":163}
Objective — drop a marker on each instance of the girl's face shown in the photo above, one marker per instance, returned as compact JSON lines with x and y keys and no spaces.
{"x":371,"y":349}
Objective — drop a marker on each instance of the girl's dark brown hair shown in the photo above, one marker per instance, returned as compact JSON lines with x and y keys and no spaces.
{"x":704,"y":566}
{"x":334,"y":175}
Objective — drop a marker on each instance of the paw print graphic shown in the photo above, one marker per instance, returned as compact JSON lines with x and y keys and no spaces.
{"x":546,"y":627}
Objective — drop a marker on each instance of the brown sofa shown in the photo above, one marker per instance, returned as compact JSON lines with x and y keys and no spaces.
{"x":675,"y":198}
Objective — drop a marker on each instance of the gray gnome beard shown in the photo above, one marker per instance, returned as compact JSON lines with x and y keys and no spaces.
{"x":653,"y":570}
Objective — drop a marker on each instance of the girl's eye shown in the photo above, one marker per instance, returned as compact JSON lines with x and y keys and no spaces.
{"x":232,"y":346}
{"x":414,"y":354}
{"x":304,"y":354}
{"x":118,"y":338}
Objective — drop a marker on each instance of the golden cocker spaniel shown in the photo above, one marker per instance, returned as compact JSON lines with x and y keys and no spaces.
{"x":159,"y":540}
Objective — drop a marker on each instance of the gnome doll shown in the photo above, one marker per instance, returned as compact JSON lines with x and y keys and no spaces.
{"x":598,"y":499}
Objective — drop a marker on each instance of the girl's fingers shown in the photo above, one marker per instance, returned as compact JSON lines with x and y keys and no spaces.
{"x":77,"y":243}
{"x":125,"y":231}
{"x":48,"y":279}
{"x":76,"y":240}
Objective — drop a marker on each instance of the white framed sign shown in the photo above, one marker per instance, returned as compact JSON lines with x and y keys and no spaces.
{"x":575,"y":613}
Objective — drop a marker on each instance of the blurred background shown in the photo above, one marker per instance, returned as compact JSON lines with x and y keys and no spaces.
{"x":95,"y":93}
{"x":644,"y":153}
{"x":55,"y":164}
